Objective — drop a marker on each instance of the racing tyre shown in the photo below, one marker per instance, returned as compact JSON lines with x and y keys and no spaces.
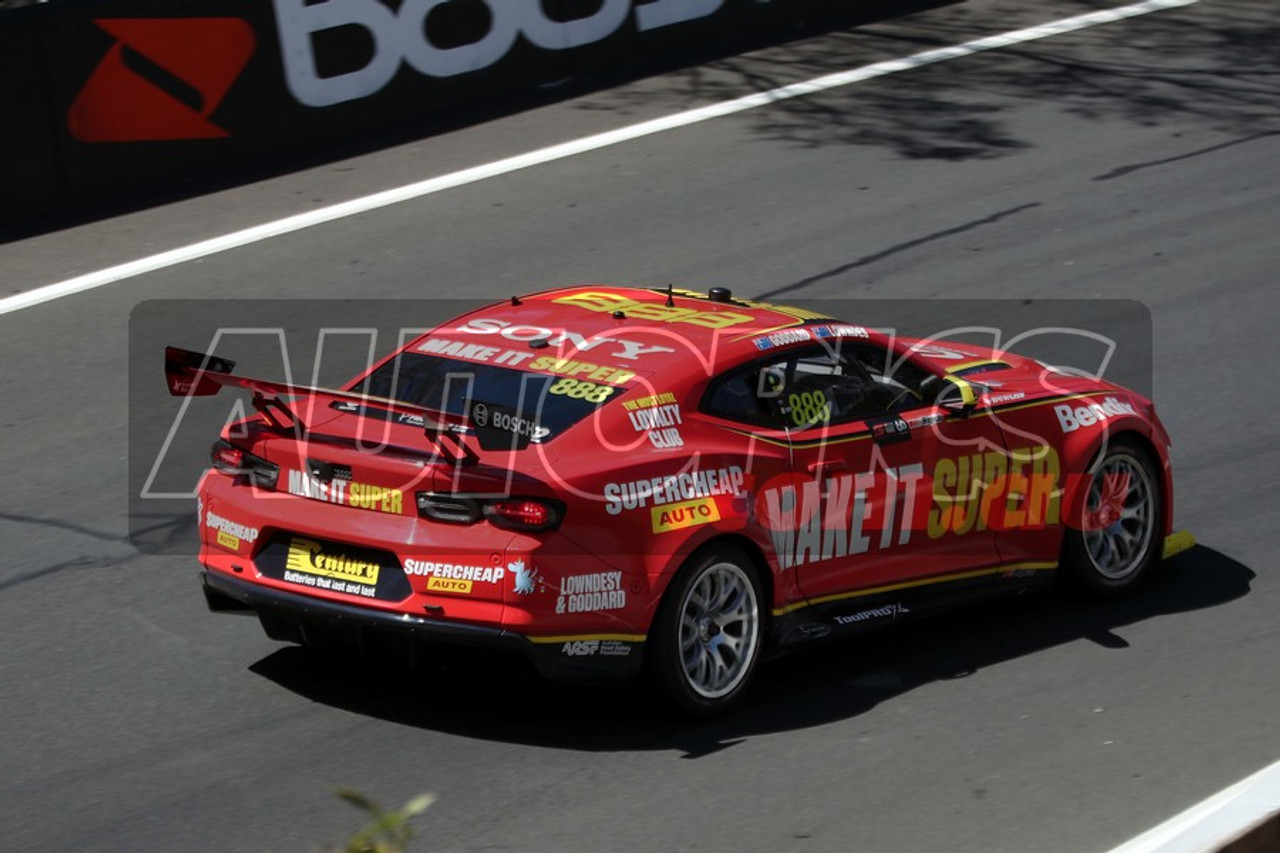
{"x":708,"y":632}
{"x":1115,"y":544}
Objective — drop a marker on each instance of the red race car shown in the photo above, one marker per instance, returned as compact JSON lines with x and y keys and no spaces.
{"x":600,"y":477}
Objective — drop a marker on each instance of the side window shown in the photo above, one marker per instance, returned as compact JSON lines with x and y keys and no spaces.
{"x":830,"y":386}
{"x":815,"y":387}
{"x":903,"y":384}
{"x":751,"y":394}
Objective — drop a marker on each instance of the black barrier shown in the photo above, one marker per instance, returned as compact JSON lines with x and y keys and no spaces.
{"x":121,"y":94}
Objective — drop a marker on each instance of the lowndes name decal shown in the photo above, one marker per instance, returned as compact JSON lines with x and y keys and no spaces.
{"x":346,"y":493}
{"x":591,"y":593}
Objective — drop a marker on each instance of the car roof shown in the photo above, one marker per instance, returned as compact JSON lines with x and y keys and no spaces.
{"x":646,"y":330}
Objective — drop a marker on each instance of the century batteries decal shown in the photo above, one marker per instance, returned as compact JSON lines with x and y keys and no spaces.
{"x":676,"y":501}
{"x":308,"y":563}
{"x":658,"y":417}
{"x":610,"y":303}
{"x":813,"y":520}
{"x":591,"y":593}
{"x":347,"y":493}
{"x":230,"y":534}
{"x":457,"y":578}
{"x":624,"y":348}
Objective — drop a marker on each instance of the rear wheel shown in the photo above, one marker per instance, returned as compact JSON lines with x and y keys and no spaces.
{"x":708,"y":632}
{"x":1115,"y":545}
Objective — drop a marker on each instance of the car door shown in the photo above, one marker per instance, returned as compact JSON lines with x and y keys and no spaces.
{"x":885,"y":492}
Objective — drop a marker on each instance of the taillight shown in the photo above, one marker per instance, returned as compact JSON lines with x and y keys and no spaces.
{"x":525,"y":514}
{"x":238,"y":462}
{"x":451,"y":509}
{"x":532,"y":514}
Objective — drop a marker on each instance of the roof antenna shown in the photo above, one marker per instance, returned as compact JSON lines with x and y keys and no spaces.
{"x":671,"y":303}
{"x":515,"y":300}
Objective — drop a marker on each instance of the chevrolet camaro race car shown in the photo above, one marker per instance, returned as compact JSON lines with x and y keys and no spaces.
{"x":602,"y":478}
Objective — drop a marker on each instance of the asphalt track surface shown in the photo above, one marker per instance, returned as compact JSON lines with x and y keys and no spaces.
{"x":1138,"y":160}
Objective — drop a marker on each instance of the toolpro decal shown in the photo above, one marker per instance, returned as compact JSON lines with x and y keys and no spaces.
{"x":162,"y":79}
{"x":346,"y":493}
{"x":230,"y":534}
{"x":591,"y":593}
{"x":673,"y":488}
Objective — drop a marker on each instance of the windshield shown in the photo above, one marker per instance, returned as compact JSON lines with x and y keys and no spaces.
{"x":544,"y":405}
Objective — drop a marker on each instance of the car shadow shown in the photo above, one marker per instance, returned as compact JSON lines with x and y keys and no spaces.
{"x":494,"y":697}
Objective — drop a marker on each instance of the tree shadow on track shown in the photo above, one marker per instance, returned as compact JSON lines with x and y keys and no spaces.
{"x":1211,"y":69}
{"x":497,"y":698}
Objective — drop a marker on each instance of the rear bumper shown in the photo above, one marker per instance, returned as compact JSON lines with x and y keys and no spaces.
{"x":302,"y":619}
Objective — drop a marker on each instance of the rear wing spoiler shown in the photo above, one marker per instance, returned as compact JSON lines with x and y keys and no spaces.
{"x":195,"y":374}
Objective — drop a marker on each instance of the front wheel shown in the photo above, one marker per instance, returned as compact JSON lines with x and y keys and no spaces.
{"x":1115,"y":544}
{"x":708,"y":632}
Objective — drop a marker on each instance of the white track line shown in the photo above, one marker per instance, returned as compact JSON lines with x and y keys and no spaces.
{"x":1209,"y":825}
{"x":267,"y":230}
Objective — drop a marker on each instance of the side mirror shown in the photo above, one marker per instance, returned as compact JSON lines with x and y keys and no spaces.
{"x":958,"y":397}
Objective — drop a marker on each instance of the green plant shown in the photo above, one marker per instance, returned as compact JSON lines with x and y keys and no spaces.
{"x":388,"y":831}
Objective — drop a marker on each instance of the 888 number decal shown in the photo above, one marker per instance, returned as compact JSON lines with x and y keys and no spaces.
{"x":809,"y":407}
{"x":576,"y":389}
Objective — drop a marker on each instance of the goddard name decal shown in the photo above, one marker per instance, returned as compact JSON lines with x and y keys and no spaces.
{"x":673,"y":488}
{"x":404,"y":33}
{"x":1071,"y":419}
{"x":591,"y":593}
{"x":814,"y":520}
{"x":358,"y":495}
{"x":609,"y":303}
{"x":779,"y":339}
{"x":230,"y":534}
{"x":614,"y":347}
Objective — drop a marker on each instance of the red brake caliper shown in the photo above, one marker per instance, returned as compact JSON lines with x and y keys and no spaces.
{"x":1115,"y":488}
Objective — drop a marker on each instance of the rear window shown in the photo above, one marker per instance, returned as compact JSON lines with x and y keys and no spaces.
{"x":549,"y":404}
